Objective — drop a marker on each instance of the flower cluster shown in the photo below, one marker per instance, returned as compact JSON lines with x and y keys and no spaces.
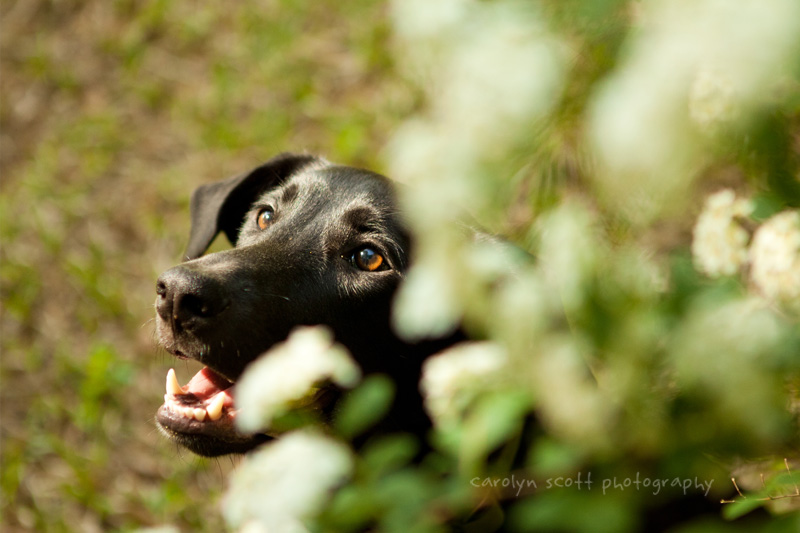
{"x":452,"y":379}
{"x":289,"y":372}
{"x":711,"y":99}
{"x":775,"y":257}
{"x":720,"y":246}
{"x":720,"y":242}
{"x":286,"y":482}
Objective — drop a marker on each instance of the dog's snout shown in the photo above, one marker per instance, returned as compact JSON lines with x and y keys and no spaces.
{"x":186,"y":297}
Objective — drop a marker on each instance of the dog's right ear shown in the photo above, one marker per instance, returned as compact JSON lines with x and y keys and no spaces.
{"x":222,"y":206}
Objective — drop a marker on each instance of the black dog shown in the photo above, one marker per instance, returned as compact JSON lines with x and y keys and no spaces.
{"x":315,"y":243}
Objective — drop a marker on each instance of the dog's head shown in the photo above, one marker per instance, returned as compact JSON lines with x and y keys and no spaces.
{"x":315,"y":243}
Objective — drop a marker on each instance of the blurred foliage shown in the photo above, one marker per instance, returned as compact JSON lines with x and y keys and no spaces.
{"x":587,"y":132}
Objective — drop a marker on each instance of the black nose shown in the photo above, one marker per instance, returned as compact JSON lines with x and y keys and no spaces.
{"x":187,"y":297}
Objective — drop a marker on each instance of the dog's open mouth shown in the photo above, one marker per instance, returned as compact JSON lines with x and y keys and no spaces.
{"x":207,"y":399}
{"x":200,"y":415}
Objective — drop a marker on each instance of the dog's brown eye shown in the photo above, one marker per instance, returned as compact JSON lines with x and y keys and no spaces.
{"x":368,"y":259}
{"x":265,"y":217}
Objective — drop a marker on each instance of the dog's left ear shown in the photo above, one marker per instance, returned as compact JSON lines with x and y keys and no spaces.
{"x":222,"y":206}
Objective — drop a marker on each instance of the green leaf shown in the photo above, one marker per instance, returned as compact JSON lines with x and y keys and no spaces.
{"x":572,"y":510}
{"x":365,"y":406}
{"x":740,"y":507}
{"x":386,"y":454}
{"x":496,"y":418}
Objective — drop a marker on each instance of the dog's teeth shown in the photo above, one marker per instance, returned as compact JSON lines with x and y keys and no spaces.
{"x":214,"y":409}
{"x":199,"y":414}
{"x":173,"y":386}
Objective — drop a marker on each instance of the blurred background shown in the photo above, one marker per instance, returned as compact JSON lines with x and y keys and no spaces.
{"x":588,"y":132}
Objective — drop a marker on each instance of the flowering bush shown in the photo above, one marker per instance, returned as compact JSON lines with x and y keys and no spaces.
{"x":590,"y":134}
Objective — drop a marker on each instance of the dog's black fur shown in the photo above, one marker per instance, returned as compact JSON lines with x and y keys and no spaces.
{"x":300,"y":267}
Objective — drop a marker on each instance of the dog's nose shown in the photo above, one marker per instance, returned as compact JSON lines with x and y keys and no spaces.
{"x":186,"y":296}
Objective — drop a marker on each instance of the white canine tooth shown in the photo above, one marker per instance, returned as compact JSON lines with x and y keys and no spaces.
{"x":199,"y":414}
{"x":214,"y":409}
{"x":173,"y":386}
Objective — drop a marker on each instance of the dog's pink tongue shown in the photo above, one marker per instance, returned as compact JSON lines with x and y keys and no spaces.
{"x":206,"y":383}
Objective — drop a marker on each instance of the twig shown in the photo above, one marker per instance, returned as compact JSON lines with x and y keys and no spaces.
{"x":768,"y":497}
{"x":796,"y":488}
{"x":737,"y":488}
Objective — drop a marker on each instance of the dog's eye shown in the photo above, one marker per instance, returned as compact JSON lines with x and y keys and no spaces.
{"x":265,"y":217}
{"x":368,"y":259}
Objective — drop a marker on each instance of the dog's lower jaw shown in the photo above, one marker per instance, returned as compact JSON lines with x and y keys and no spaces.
{"x":200,"y":415}
{"x":209,"y":446}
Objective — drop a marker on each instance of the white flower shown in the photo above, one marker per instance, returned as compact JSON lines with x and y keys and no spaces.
{"x":414,"y":20}
{"x":509,"y":73}
{"x":453,"y":378}
{"x":494,"y":63}
{"x":427,"y":303}
{"x":286,"y":482}
{"x":775,"y":257}
{"x":287,"y":373}
{"x":719,"y":247}
{"x":711,"y":99}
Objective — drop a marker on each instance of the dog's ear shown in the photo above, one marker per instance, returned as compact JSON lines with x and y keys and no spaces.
{"x":222,"y":206}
